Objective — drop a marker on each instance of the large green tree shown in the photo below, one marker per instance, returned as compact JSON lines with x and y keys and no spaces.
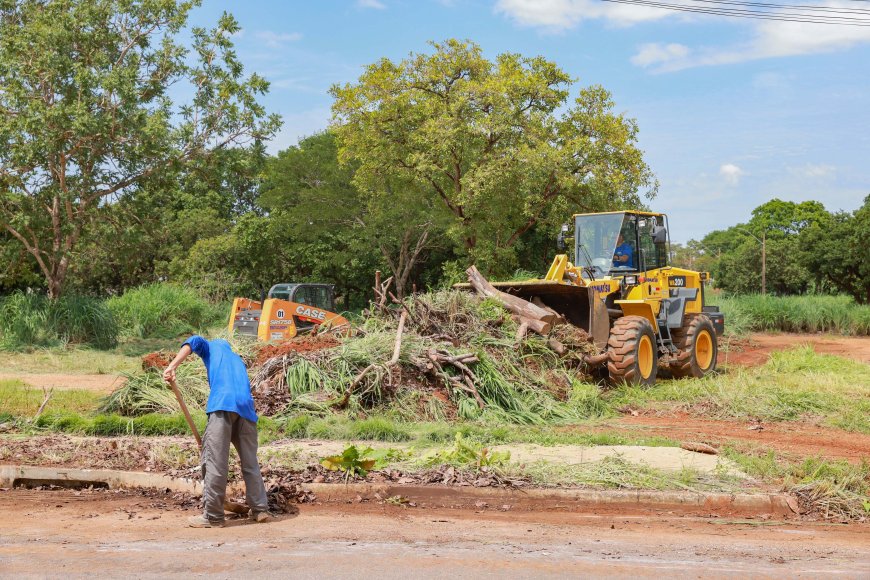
{"x":838,"y":252}
{"x":86,"y":115}
{"x":779,"y":225}
{"x":496,"y":143}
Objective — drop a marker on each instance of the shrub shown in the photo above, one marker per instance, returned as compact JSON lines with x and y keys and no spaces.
{"x":34,"y":320}
{"x":161,"y":311}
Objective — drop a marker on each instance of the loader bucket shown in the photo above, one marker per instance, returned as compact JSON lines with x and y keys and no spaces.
{"x":580,"y":306}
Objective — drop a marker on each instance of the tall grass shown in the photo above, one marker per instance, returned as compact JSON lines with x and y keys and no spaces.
{"x":162,"y":310}
{"x":34,"y":320}
{"x":836,"y":314}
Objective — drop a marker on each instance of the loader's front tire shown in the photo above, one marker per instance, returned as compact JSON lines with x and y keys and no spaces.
{"x":633,"y":351}
{"x":696,"y":341}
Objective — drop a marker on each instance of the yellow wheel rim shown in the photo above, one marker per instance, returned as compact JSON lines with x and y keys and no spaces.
{"x":704,"y":350}
{"x":645,"y":356}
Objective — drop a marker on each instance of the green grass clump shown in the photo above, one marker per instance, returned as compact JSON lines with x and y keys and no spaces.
{"x":162,"y":310}
{"x":832,"y":489}
{"x":34,"y":320}
{"x":378,"y":429}
{"x":811,"y":313}
{"x":110,"y":425}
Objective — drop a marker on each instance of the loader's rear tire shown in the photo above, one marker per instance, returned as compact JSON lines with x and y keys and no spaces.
{"x":698,"y":347}
{"x":633,"y":351}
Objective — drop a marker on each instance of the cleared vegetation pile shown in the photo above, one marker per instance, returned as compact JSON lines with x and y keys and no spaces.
{"x":457,"y":356}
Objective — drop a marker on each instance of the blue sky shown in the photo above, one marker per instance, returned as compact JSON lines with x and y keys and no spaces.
{"x":732,"y":112}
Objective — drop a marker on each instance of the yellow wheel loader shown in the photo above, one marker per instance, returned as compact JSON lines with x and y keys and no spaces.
{"x":287,"y":310}
{"x":642,"y":313}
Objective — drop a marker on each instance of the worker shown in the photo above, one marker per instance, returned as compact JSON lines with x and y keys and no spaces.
{"x":623,"y":254}
{"x":231,"y":419}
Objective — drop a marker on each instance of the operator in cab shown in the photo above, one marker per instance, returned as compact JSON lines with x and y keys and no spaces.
{"x":623,"y":255}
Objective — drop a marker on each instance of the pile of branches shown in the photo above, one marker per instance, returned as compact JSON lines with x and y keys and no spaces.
{"x":435,"y":356}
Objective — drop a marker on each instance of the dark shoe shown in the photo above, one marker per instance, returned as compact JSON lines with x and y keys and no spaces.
{"x":203,"y":522}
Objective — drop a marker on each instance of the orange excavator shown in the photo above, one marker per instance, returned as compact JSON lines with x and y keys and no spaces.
{"x":288,"y":310}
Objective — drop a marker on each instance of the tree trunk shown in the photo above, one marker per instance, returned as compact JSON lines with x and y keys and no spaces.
{"x":536,"y":318}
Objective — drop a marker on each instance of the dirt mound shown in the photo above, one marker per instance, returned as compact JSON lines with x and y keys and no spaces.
{"x":306,"y":343}
{"x":156,"y":361}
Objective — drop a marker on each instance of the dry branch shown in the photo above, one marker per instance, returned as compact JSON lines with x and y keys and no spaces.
{"x":46,"y":394}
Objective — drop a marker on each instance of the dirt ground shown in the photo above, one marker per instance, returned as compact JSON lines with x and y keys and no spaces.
{"x":799,"y":439}
{"x":61,"y":533}
{"x":755,"y":350}
{"x":88,"y":382}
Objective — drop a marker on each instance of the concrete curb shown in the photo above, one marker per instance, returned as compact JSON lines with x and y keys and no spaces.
{"x":436,"y":496}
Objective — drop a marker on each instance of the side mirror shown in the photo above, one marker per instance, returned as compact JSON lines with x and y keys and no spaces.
{"x":560,"y":239}
{"x":660,"y":234}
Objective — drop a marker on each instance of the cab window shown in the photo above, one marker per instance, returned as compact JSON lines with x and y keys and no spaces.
{"x":653,"y":255}
{"x":317,"y":296}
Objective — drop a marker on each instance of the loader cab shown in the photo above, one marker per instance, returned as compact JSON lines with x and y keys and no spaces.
{"x":321,"y":296}
{"x":620,"y":243}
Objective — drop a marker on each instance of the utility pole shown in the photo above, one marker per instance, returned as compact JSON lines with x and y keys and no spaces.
{"x":764,"y":263}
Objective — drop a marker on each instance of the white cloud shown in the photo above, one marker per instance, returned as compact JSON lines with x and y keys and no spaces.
{"x":375,"y":4}
{"x":659,"y":53}
{"x":277,"y":39}
{"x":771,"y":39}
{"x":731,"y":173}
{"x":814,"y":171}
{"x":560,"y":15}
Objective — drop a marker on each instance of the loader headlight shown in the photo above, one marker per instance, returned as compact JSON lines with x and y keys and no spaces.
{"x":630,"y":280}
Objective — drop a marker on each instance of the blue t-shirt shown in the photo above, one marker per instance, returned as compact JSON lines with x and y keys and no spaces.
{"x":623,"y":250}
{"x":230,"y":388}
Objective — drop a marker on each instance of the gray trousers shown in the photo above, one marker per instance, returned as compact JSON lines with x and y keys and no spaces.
{"x":223,"y":428}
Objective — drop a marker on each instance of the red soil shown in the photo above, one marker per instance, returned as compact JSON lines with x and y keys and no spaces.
{"x":156,"y":361}
{"x":756,"y":349}
{"x":307,"y":343}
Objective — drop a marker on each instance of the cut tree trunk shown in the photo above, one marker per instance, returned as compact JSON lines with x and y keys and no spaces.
{"x":539,"y":319}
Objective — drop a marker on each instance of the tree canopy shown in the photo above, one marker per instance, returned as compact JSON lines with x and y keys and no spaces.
{"x":485,"y":140}
{"x":86,"y":114}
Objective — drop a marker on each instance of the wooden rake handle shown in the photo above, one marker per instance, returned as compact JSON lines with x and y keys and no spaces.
{"x":186,"y":412}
